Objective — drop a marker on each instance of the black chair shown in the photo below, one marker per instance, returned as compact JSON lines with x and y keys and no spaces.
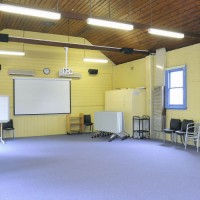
{"x":175,"y":124}
{"x":182,"y":131}
{"x":87,"y":122}
{"x":7,"y":127}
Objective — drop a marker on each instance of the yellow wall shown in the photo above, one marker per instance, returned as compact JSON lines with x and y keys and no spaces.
{"x":130,"y":75}
{"x":133,"y":75}
{"x":87,"y":93}
{"x":125,"y":77}
{"x":191,"y":57}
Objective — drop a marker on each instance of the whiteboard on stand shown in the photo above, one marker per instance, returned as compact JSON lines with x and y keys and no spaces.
{"x":4,"y":109}
{"x":108,"y":121}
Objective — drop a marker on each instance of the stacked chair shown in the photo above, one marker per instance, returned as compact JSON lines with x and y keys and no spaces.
{"x":187,"y":130}
{"x":193,"y":134}
{"x":182,"y":132}
{"x":175,"y":124}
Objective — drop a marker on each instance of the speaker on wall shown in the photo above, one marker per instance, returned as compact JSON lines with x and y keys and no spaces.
{"x":93,"y":71}
{"x":3,"y":37}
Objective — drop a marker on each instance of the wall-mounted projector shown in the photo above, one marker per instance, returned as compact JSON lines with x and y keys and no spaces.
{"x":68,"y":73}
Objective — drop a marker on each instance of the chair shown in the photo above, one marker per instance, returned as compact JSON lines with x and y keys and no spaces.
{"x":193,"y":134}
{"x":9,"y":127}
{"x":87,"y":122}
{"x":175,"y":124}
{"x":182,"y":131}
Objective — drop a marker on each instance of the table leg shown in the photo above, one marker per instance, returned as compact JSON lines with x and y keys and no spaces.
{"x":1,"y":136}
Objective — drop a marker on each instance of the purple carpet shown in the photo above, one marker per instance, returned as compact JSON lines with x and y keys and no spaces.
{"x":76,"y":167}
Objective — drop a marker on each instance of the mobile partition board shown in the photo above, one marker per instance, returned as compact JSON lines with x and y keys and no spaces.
{"x":4,"y":113}
{"x":112,"y":122}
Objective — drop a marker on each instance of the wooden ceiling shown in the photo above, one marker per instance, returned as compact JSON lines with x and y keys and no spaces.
{"x":177,"y":15}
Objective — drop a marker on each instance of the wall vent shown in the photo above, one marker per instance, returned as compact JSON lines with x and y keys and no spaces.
{"x":21,"y":72}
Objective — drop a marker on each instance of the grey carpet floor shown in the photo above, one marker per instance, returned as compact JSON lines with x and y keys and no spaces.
{"x":76,"y":167}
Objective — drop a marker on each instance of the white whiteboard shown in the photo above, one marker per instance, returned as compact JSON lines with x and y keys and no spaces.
{"x":108,"y":121}
{"x":34,"y":96}
{"x":4,"y":109}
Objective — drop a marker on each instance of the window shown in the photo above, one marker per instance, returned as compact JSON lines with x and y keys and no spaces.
{"x":175,"y":90}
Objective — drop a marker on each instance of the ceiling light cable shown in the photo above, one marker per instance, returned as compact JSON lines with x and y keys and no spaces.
{"x":108,"y":23}
{"x":108,"y":9}
{"x":161,"y":32}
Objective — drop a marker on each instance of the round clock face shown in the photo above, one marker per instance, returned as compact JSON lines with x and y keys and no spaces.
{"x":46,"y":71}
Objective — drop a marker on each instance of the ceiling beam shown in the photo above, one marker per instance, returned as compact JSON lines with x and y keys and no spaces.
{"x":72,"y":45}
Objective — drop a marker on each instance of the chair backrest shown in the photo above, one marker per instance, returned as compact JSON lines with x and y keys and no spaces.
{"x":175,"y":124}
{"x":192,"y":128}
{"x":8,"y":124}
{"x":185,"y":123}
{"x":87,"y":119}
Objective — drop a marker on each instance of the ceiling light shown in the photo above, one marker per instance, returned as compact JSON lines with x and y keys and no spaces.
{"x":110,"y":24}
{"x":165,"y":33}
{"x":12,"y":53}
{"x":29,"y":11}
{"x":95,"y":60}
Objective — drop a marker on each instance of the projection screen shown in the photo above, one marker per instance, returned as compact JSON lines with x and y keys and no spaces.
{"x":37,"y":96}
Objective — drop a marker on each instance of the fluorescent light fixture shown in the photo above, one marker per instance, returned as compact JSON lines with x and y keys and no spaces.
{"x":29,"y":11}
{"x":110,"y":24}
{"x":12,"y":53}
{"x":165,"y":33}
{"x":95,"y":60}
{"x":159,"y":67}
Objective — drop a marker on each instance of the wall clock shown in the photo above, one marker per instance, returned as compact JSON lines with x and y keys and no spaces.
{"x":46,"y":71}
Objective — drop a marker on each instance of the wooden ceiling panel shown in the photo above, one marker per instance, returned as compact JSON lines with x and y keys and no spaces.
{"x":177,"y":15}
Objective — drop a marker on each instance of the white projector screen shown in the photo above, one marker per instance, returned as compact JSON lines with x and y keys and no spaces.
{"x":36,"y":96}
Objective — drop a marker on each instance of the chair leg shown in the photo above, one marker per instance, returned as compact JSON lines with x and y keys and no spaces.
{"x":172,"y":137}
{"x":186,"y":140}
{"x":197,"y":144}
{"x":182,"y":139}
{"x":164,"y":136}
{"x":175,"y":138}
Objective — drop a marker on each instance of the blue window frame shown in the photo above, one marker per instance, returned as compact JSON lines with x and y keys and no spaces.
{"x":175,"y":88}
